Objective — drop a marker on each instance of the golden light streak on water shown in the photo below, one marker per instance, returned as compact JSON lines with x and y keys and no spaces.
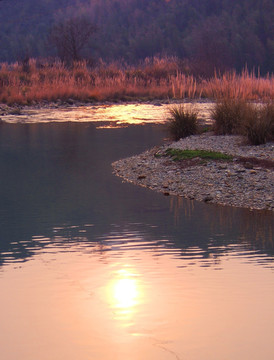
{"x":123,"y":294}
{"x":107,"y":116}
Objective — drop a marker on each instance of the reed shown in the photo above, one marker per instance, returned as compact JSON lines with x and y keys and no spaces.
{"x":259,"y":124}
{"x":161,"y":78}
{"x":246,"y":86}
{"x":237,"y":116}
{"x":182,"y":122}
{"x":229,"y":115}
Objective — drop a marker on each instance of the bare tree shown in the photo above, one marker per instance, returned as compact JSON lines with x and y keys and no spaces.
{"x":71,"y":36}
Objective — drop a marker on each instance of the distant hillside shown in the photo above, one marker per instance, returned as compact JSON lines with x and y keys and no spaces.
{"x":211,"y":34}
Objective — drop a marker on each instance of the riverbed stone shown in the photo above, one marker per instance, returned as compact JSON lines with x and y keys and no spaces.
{"x":227,"y":183}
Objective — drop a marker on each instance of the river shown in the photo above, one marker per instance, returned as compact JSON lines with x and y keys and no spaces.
{"x":95,"y":268}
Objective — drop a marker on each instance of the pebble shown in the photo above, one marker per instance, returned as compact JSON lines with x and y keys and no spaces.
{"x":226,"y":183}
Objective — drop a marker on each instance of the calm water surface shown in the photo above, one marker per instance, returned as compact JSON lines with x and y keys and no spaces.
{"x":94,"y":268}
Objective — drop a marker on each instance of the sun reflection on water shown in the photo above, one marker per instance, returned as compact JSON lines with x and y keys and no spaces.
{"x":124,"y":293}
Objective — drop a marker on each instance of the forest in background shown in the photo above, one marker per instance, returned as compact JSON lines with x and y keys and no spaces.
{"x":206,"y":35}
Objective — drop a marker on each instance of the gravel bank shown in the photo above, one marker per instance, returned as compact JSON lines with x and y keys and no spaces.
{"x":247,"y":181}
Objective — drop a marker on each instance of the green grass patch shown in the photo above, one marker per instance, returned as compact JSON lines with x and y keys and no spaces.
{"x":177,"y":154}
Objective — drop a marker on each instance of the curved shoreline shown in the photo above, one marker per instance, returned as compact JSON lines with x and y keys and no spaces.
{"x":247,"y":181}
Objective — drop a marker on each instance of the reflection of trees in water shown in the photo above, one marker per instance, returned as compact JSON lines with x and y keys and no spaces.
{"x":180,"y":206}
{"x":257,"y":228}
{"x":197,"y":235}
{"x":60,"y":175}
{"x":253,"y":228}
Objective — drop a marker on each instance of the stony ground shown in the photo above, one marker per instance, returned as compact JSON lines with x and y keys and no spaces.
{"x":246,"y":181}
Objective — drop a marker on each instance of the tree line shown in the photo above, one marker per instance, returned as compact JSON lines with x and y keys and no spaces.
{"x":207,"y":35}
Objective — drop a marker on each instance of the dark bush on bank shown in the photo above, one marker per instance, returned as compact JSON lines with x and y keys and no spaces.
{"x":259,"y":124}
{"x":229,"y":116}
{"x":238,"y":117}
{"x":182,"y":122}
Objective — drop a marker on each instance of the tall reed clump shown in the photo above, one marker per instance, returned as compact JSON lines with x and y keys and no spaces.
{"x":238,"y":117}
{"x":259,"y":124}
{"x":182,"y":122}
{"x":229,"y":116}
{"x":246,"y":85}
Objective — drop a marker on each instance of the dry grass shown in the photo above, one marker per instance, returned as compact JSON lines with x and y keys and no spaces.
{"x":259,"y":124}
{"x":237,"y":116}
{"x":229,"y":115}
{"x":246,"y":86}
{"x":154,"y":78}
{"x":182,"y":122}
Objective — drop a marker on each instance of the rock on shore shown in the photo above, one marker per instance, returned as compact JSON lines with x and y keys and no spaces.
{"x":246,"y":181}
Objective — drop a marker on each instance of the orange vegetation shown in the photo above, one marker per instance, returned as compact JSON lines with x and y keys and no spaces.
{"x":38,"y":80}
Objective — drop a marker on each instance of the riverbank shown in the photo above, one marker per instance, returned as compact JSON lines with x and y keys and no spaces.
{"x":39,"y":80}
{"x":246,"y":181}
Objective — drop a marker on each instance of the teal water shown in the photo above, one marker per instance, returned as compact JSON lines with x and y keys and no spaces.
{"x":95,"y":268}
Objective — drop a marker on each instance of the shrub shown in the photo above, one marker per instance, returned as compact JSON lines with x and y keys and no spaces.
{"x":229,"y":115}
{"x":268,"y":116}
{"x":259,"y":125}
{"x":182,"y":122}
